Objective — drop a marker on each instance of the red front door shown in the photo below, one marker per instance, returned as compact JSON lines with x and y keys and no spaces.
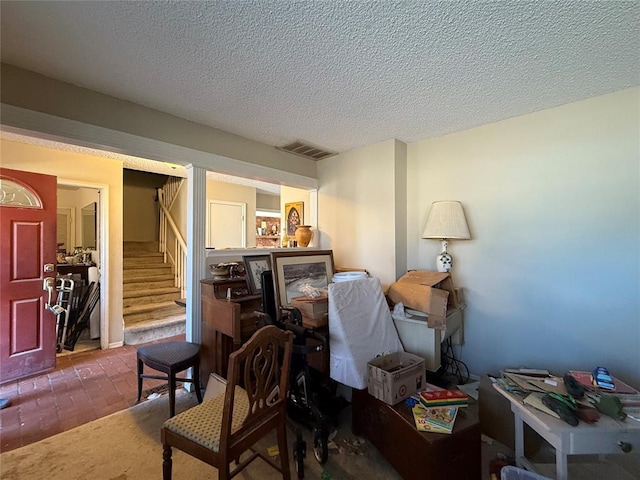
{"x":27,"y":244}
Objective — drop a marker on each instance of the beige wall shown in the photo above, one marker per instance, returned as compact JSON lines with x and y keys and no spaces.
{"x":140,"y":208}
{"x":93,"y":170}
{"x":230,"y":192}
{"x":357,"y":210}
{"x":267,"y":202}
{"x":77,"y":199}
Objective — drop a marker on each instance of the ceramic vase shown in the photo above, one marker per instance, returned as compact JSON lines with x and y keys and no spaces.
{"x":303,"y":235}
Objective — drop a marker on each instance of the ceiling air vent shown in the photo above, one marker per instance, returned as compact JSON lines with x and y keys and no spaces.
{"x":306,"y":150}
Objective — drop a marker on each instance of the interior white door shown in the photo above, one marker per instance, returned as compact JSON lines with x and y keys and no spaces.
{"x":226,"y":225}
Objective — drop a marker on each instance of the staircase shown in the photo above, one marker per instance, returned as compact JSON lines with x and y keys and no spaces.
{"x":149,"y":294}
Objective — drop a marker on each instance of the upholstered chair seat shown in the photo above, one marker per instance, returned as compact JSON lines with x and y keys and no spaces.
{"x":202,"y":424}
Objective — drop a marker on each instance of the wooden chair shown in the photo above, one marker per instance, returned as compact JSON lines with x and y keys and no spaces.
{"x":219,"y":430}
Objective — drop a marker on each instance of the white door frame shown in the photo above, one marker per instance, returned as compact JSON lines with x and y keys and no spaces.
{"x":103,"y":220}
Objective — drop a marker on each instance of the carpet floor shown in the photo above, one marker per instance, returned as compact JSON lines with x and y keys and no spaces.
{"x":126,"y":446}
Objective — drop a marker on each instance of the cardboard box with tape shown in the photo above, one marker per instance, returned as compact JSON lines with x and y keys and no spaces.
{"x":426,"y":291}
{"x":314,"y":310}
{"x":396,"y":376}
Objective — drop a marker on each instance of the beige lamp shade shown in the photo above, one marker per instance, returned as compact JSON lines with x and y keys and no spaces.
{"x":446,"y":220}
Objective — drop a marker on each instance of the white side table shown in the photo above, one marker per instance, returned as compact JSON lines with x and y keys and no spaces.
{"x":606,"y":436}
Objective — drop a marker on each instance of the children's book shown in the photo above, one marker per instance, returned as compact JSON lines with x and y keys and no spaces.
{"x":584,"y":378}
{"x":435,"y":419}
{"x":440,"y":398}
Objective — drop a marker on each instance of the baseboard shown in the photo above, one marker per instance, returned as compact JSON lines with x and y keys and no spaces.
{"x":116,"y":344}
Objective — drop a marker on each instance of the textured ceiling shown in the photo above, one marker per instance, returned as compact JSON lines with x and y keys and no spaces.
{"x":337,"y":73}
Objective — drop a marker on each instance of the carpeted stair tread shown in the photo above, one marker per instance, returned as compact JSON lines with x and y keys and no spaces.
{"x":150,"y":330}
{"x":147,"y":278}
{"x":154,"y":324}
{"x":143,"y":292}
{"x":146,"y":260}
{"x":149,"y":294}
{"x":151,"y":298}
{"x":146,"y":267}
{"x":150,"y":307}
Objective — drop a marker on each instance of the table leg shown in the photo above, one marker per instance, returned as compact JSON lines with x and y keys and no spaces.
{"x":561,"y":465}
{"x":519,"y":438}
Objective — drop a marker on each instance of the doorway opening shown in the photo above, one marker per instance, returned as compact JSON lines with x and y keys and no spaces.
{"x":82,"y":252}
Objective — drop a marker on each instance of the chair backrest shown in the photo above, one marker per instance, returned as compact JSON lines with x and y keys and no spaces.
{"x":261,"y":367}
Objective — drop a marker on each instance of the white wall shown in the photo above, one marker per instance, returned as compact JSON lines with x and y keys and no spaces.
{"x":551,"y":274}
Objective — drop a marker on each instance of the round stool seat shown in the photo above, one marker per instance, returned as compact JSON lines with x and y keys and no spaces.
{"x":170,"y":358}
{"x":168,"y":353}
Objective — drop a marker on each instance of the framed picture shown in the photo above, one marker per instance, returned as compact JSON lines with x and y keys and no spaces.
{"x":254,"y":265}
{"x":293,"y":216}
{"x":293,"y":269}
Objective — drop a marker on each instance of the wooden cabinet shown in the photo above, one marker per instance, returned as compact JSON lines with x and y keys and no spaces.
{"x":419,"y":455}
{"x":226,"y":324}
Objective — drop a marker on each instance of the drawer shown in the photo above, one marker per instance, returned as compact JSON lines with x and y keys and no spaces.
{"x":602,"y":442}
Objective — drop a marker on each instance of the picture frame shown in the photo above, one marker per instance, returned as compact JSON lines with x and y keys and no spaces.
{"x":293,"y":216}
{"x":254,"y":265}
{"x":292,"y":269}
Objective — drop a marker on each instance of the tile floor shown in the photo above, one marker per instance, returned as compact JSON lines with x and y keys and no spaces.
{"x":85,"y":385}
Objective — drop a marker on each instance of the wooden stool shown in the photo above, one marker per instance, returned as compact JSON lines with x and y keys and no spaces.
{"x":170,"y":358}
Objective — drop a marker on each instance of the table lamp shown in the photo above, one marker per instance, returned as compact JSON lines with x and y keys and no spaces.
{"x":446,"y":221}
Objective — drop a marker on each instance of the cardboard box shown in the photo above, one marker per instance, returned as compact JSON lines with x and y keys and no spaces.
{"x":425,"y":291}
{"x":394,"y":377}
{"x":315,"y":322}
{"x":312,"y":308}
{"x":216,"y":385}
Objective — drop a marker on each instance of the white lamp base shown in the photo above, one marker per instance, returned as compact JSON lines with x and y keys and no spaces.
{"x":444,"y":261}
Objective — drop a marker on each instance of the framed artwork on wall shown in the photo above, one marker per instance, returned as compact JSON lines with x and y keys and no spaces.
{"x":293,"y":269}
{"x":293,"y":216}
{"x":254,"y":265}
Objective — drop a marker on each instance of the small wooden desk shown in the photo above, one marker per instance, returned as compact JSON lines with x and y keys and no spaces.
{"x":602,"y":437}
{"x":226,"y":324}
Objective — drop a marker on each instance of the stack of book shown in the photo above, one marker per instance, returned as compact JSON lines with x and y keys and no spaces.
{"x":437,"y":409}
{"x":444,"y":398}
